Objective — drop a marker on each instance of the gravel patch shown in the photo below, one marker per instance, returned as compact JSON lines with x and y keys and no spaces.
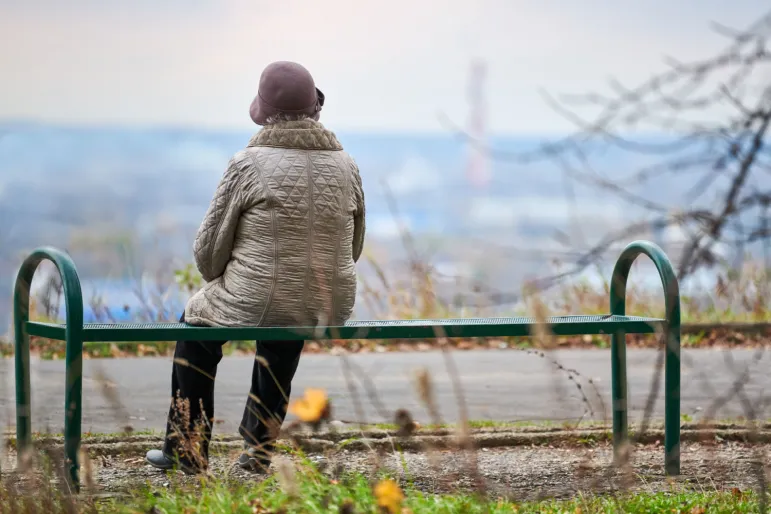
{"x":522,"y":473}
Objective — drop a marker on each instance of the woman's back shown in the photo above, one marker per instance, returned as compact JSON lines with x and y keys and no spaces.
{"x":287,"y":225}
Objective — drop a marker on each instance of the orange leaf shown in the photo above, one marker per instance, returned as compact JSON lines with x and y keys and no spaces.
{"x":389,"y":496}
{"x":312,"y":407}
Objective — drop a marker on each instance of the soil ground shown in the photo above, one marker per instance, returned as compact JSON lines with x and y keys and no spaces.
{"x":522,"y":464}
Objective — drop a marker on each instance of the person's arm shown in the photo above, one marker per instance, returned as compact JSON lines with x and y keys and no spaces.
{"x":359,"y":216}
{"x":214,"y":240}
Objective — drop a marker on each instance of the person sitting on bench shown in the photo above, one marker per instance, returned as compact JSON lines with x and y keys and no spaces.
{"x":277,"y":247}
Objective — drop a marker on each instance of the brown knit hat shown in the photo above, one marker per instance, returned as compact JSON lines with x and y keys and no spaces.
{"x":286,"y":87}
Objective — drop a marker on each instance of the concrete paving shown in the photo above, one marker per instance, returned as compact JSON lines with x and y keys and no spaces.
{"x":502,"y":385}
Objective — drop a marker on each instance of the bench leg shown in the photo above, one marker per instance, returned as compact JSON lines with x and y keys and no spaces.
{"x":671,"y":287}
{"x":22,"y":363}
{"x":619,"y":393}
{"x":672,"y":401}
{"x":73,"y":403}
{"x":73,"y":298}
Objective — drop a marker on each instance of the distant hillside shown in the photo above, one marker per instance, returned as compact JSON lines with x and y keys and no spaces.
{"x":54,"y":180}
{"x":143,"y":191}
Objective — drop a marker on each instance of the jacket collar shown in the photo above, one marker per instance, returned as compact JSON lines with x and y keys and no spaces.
{"x":301,"y":135}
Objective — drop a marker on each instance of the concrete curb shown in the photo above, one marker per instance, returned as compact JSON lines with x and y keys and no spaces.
{"x":135,"y":446}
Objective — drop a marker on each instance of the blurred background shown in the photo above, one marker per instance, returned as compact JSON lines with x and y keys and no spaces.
{"x":117,"y":120}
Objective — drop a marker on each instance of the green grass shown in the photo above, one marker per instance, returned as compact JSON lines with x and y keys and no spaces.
{"x":309,"y":492}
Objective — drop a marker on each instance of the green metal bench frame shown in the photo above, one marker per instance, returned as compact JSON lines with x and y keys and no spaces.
{"x":76,"y":333}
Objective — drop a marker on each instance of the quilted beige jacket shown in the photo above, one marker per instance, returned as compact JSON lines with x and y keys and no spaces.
{"x":279,"y":241}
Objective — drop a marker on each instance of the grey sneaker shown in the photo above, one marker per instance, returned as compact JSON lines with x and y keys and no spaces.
{"x":160,"y":460}
{"x":255,"y":460}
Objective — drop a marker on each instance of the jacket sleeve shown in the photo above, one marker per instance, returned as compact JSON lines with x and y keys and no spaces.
{"x":359,"y":216}
{"x":214,"y":240}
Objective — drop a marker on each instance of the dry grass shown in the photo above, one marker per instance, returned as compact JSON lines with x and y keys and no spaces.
{"x":23,"y":492}
{"x":742,"y":295}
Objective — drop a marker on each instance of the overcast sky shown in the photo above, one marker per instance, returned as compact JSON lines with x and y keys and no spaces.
{"x":383,"y":65}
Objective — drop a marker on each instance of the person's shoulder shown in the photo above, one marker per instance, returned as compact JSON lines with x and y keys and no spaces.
{"x":346,"y":159}
{"x":242,"y":158}
{"x":244,"y":161}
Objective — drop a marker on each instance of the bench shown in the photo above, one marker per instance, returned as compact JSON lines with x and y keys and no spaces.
{"x":617,"y":324}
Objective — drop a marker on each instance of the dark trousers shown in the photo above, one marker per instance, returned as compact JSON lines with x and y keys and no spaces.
{"x":189,"y":426}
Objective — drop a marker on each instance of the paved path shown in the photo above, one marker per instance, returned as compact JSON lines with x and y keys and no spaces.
{"x":501,"y":385}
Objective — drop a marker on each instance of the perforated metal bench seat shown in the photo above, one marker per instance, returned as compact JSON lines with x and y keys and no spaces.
{"x":390,"y":329}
